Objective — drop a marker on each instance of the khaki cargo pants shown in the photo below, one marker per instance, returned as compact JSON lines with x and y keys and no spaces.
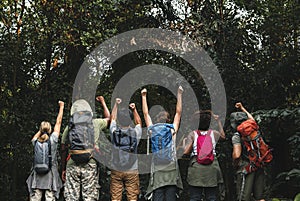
{"x":129,"y":179}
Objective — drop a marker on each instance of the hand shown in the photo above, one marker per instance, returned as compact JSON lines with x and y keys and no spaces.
{"x":239,"y":105}
{"x":100,"y":99}
{"x":180,"y":89}
{"x":144,"y":92}
{"x":61,"y":103}
{"x":118,"y":100}
{"x":216,"y":117}
{"x":132,"y":106}
{"x":63,"y":176}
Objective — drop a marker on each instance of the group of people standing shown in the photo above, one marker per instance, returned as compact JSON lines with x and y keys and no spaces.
{"x":81,"y":179}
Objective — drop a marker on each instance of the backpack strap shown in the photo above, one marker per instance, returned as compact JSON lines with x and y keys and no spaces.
{"x":130,"y":141}
{"x":211,"y":133}
{"x":116,"y":132}
{"x":196,"y":134}
{"x":49,"y":153}
{"x":148,"y":143}
{"x":119,"y":137}
{"x":243,"y":175}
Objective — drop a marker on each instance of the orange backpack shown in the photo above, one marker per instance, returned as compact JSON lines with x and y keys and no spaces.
{"x":259,"y":153}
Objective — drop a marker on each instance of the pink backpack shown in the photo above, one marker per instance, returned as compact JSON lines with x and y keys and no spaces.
{"x":205,"y":153}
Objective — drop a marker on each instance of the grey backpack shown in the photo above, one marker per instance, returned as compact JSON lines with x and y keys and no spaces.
{"x":81,"y":137}
{"x":42,"y":157}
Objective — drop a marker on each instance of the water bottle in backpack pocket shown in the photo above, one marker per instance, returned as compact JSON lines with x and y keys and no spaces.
{"x":124,"y":148}
{"x":81,"y":137}
{"x":163,"y":149}
{"x":42,"y":157}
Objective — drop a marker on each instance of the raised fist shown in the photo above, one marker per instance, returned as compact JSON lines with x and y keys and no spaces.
{"x":216,"y":117}
{"x":61,"y":103}
{"x":100,"y":99}
{"x":238,"y":105}
{"x":180,"y":89}
{"x":118,"y":100}
{"x":132,"y":106}
{"x":144,"y":92}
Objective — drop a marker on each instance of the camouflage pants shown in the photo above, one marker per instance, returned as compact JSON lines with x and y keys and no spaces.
{"x":37,"y":195}
{"x":82,"y":180}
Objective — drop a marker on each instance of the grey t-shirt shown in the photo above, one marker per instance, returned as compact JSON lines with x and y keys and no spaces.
{"x":236,"y":139}
{"x":138,"y":131}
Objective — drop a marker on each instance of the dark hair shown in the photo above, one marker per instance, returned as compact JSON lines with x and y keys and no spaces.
{"x":124,"y":117}
{"x":204,"y":118}
{"x":162,"y":117}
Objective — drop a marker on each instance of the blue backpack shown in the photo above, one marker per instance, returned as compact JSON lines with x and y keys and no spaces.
{"x":124,"y":148}
{"x":163,"y":150}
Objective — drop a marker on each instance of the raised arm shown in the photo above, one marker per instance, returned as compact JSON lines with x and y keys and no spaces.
{"x":188,"y":145}
{"x":147,"y":117}
{"x":177,"y":117}
{"x":37,"y":135}
{"x":221,"y":130}
{"x":59,"y":117}
{"x":241,"y":107}
{"x":136,"y":116}
{"x":106,"y":112}
{"x":115,"y":109}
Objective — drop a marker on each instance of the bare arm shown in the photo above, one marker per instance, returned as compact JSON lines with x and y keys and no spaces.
{"x":106,"y":112}
{"x":136,"y":116}
{"x":177,"y":117}
{"x":59,"y":117}
{"x":115,"y":110}
{"x":147,"y":117}
{"x":221,"y":130}
{"x":236,"y":152}
{"x":37,"y":135}
{"x":189,"y":144}
{"x":241,"y":107}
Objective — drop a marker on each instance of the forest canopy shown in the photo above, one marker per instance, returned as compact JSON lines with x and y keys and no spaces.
{"x":253,"y":44}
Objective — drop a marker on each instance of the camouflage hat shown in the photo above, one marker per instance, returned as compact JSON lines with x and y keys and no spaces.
{"x":236,"y":118}
{"x":80,"y":106}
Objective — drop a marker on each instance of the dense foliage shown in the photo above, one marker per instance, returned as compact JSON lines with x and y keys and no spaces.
{"x":255,"y":45}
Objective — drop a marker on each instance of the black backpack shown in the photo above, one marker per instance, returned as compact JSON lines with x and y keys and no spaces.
{"x":42,"y":157}
{"x":124,"y":148}
{"x":81,"y":137}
